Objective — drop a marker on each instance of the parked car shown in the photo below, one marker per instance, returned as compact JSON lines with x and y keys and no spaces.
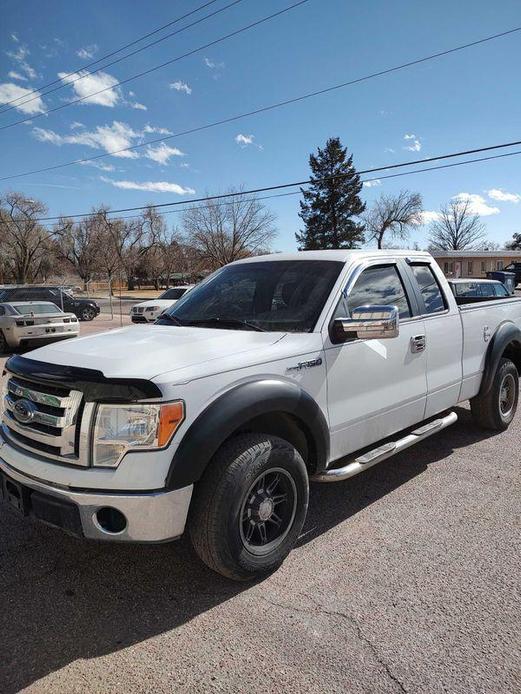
{"x":468,"y":291}
{"x":148,"y":311}
{"x":84,"y":309}
{"x":24,"y":323}
{"x":273,"y":371}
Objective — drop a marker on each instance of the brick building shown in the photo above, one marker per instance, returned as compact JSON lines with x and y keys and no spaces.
{"x":474,"y":263}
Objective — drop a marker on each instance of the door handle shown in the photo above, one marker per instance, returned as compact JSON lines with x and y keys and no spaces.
{"x":418,"y":343}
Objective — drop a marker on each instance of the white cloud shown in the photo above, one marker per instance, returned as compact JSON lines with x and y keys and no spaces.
{"x":428,"y":216}
{"x":151,"y":186}
{"x":372,"y":184}
{"x":108,"y":137}
{"x":98,"y":165}
{"x":213,"y":65}
{"x":477,"y":204}
{"x":87,"y":52}
{"x":20,"y":57}
{"x":244,"y":140}
{"x":17,"y":76}
{"x":138,"y":106}
{"x":89,"y":83}
{"x":10,"y":91}
{"x":180,"y":86}
{"x":15,"y":37}
{"x":389,"y":149}
{"x":162,"y":153}
{"x":414,"y":142}
{"x":503,"y":196}
{"x":112,"y":138}
{"x":149,"y":129}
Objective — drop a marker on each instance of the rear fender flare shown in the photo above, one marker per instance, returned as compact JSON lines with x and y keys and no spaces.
{"x":506,"y":335}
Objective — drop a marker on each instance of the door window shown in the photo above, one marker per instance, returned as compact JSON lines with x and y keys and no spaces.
{"x":429,"y":288}
{"x":379,"y":285}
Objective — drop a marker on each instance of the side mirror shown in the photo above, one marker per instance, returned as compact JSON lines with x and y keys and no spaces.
{"x":367,"y":323}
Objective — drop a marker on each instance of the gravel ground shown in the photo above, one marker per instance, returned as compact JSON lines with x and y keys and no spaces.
{"x":405,"y":579}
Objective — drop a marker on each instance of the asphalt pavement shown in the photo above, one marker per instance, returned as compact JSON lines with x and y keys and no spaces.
{"x":405,"y":579}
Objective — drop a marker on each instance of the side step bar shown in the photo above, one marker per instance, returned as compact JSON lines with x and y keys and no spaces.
{"x":387,"y":450}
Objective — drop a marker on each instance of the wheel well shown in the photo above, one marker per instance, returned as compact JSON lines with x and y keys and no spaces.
{"x":513,"y":352}
{"x":288,"y":427}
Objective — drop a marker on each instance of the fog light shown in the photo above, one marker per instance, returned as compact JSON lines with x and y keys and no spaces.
{"x":111,"y":520}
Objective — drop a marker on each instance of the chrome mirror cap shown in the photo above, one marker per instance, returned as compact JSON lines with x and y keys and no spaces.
{"x":377,"y":322}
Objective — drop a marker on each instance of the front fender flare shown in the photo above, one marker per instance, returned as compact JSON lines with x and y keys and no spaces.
{"x":232,"y":410}
{"x":505,"y":335}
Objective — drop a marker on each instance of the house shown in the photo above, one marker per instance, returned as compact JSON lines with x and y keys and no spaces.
{"x":474,"y":263}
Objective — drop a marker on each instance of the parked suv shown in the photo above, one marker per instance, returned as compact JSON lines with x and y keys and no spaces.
{"x":84,"y":309}
{"x":148,"y":311}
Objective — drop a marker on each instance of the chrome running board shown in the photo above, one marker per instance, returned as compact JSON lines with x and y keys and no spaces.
{"x":376,"y":455}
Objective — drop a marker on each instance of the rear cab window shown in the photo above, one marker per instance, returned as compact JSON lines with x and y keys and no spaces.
{"x":432,"y":294}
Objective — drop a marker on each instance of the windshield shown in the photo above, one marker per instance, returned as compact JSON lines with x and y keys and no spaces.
{"x":276,"y":295}
{"x":173,"y":293}
{"x":36,"y":308}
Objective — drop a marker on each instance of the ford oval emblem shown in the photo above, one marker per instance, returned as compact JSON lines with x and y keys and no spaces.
{"x":24,"y":411}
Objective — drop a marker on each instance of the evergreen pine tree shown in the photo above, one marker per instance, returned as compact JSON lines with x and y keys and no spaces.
{"x":329,"y":205}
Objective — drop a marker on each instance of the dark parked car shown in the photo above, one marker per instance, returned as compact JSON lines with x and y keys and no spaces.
{"x":84,"y":309}
{"x":469,"y":291}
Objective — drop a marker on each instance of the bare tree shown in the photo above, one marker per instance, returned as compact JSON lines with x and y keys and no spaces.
{"x":457,"y":228}
{"x":132,"y":239}
{"x":24,"y":242}
{"x":393,"y":216}
{"x":221,"y":233}
{"x":79,"y":244}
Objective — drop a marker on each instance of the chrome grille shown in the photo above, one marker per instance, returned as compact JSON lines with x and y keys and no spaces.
{"x":46,"y":419}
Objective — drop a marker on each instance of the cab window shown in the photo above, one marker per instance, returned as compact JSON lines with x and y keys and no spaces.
{"x":429,"y":288}
{"x":377,"y":285}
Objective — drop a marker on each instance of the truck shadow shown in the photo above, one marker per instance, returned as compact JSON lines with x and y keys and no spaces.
{"x":63,"y":600}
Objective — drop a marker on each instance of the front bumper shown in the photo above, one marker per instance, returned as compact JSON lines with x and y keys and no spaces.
{"x":149,"y":516}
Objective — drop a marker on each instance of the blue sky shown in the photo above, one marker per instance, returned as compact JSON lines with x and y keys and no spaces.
{"x":461,"y":101}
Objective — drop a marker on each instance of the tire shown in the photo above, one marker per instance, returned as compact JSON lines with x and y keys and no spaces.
{"x":497,"y":408}
{"x":4,"y":347}
{"x":243,"y":488}
{"x":87,"y":313}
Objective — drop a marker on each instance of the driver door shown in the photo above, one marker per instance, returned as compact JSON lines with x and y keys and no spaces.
{"x":375,"y":387}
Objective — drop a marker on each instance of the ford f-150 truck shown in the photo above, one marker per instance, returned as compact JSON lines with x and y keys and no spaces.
{"x":273,"y":371}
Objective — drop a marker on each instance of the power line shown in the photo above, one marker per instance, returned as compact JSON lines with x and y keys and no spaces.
{"x":263,"y":109}
{"x":158,"y":67}
{"x":306,"y":182}
{"x":78,"y":76}
{"x":109,"y":55}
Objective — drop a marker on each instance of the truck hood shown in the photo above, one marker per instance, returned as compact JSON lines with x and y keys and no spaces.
{"x":145,"y":351}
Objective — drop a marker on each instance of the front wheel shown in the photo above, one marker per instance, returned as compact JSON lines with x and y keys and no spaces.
{"x":497,"y":408}
{"x":250,"y":506}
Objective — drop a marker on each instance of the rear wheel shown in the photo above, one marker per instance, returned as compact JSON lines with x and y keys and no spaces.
{"x":87,"y":313}
{"x":249,"y":508}
{"x":497,"y":408}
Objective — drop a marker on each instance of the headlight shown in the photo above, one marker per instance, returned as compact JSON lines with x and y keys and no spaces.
{"x":119,"y":428}
{"x":152,"y":308}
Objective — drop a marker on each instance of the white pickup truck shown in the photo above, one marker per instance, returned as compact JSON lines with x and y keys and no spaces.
{"x":273,"y":371}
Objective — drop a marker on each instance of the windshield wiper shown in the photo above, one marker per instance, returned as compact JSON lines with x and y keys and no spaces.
{"x":227,"y":322}
{"x":173,"y":319}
